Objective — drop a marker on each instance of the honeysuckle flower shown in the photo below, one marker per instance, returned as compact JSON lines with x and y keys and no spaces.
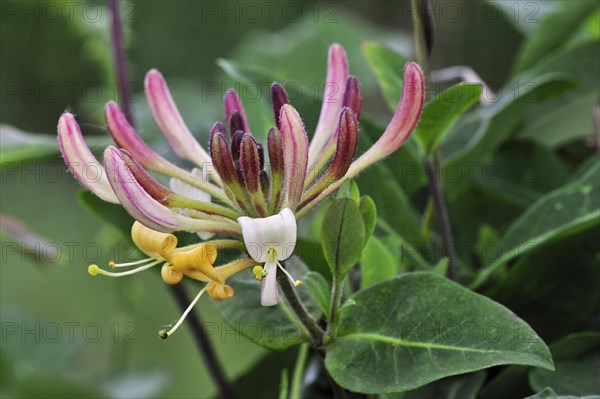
{"x":233,"y":192}
{"x":194,"y":261}
{"x":270,"y":240}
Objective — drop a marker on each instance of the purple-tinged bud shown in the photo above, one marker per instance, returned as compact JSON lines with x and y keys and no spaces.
{"x":167,"y":117}
{"x":233,"y":104}
{"x":347,"y":142}
{"x":236,"y":123}
{"x":352,"y":96}
{"x":279,"y":98}
{"x":261,"y":155}
{"x":236,"y":141}
{"x":221,"y":157}
{"x":295,"y":154}
{"x":275,"y":148}
{"x":264,"y":184}
{"x":250,"y":164}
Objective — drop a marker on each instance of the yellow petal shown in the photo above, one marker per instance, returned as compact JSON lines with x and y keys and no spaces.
{"x":151,"y":242}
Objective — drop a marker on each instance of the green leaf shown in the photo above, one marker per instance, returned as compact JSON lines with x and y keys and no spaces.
{"x":441,"y":268}
{"x":349,"y":190}
{"x":463,"y":386}
{"x":420,"y":327}
{"x":319,"y":288}
{"x":311,"y":254}
{"x":272,"y":327}
{"x":342,"y":236}
{"x":572,"y":377}
{"x":368,"y":212}
{"x":442,"y":112}
{"x":376,"y":264}
{"x":512,"y":381}
{"x":494,"y":124}
{"x":561,"y":212}
{"x":388,"y":67}
{"x":554,"y":31}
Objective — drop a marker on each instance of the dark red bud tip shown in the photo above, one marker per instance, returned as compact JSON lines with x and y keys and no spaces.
{"x":346,"y":144}
{"x":236,"y":122}
{"x":236,"y":140}
{"x":261,"y":155}
{"x":218,"y":127}
{"x":279,"y":98}
{"x":352,"y":95}
{"x":249,"y":162}
{"x":221,"y":157}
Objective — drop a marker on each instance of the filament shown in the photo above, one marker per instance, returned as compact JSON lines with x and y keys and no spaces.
{"x":94,"y":270}
{"x":292,"y":280}
{"x":166,"y":334}
{"x":137,"y":262}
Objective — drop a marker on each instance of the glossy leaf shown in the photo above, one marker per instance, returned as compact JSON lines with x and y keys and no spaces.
{"x":319,"y":288}
{"x":420,"y":327}
{"x":561,"y":212}
{"x":342,"y":236}
{"x":376,"y":264}
{"x":368,"y":211}
{"x":272,"y":327}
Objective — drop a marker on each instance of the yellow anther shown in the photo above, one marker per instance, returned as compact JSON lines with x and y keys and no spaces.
{"x":93,"y":269}
{"x":258,"y":272}
{"x":272,"y":254}
{"x":297,"y":283}
{"x":112,"y":264}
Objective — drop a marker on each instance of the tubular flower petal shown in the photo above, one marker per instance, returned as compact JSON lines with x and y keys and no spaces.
{"x":80,"y":160}
{"x":145,"y":209}
{"x":167,"y":117}
{"x":270,"y":240}
{"x":335,"y":85}
{"x":151,"y":242}
{"x":295,"y":154}
{"x":279,"y":98}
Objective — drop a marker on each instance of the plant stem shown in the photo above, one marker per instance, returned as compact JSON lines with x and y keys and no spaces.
{"x":204,"y":345}
{"x":120,"y":60}
{"x":296,"y":388}
{"x":435,"y":189}
{"x":423,"y":27}
{"x":178,"y":291}
{"x":336,"y":299}
{"x":316,"y":332}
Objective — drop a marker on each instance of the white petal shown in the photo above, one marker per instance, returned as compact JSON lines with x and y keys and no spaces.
{"x":269,"y":292}
{"x":277,"y":231}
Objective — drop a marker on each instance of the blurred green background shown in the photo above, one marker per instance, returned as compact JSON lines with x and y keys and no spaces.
{"x":67,"y":334}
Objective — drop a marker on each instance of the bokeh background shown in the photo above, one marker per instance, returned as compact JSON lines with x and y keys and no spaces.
{"x":67,"y":334}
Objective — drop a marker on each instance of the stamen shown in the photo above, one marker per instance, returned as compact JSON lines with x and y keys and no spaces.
{"x":258,"y":272}
{"x":137,"y":262}
{"x":166,"y":334}
{"x":95,"y":270}
{"x":294,"y":281}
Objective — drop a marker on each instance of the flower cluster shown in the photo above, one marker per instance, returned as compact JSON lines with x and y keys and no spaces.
{"x":231,"y":192}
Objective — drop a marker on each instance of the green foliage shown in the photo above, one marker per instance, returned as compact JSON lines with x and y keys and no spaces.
{"x":442,"y":112}
{"x":319,"y":288}
{"x":397,"y":354}
{"x":376,"y":264}
{"x":342,"y":236}
{"x":388,"y":67}
{"x":272,"y":327}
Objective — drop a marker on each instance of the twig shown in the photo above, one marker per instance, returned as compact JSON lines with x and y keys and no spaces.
{"x":116,"y":33}
{"x":435,"y":189}
{"x":316,"y":332}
